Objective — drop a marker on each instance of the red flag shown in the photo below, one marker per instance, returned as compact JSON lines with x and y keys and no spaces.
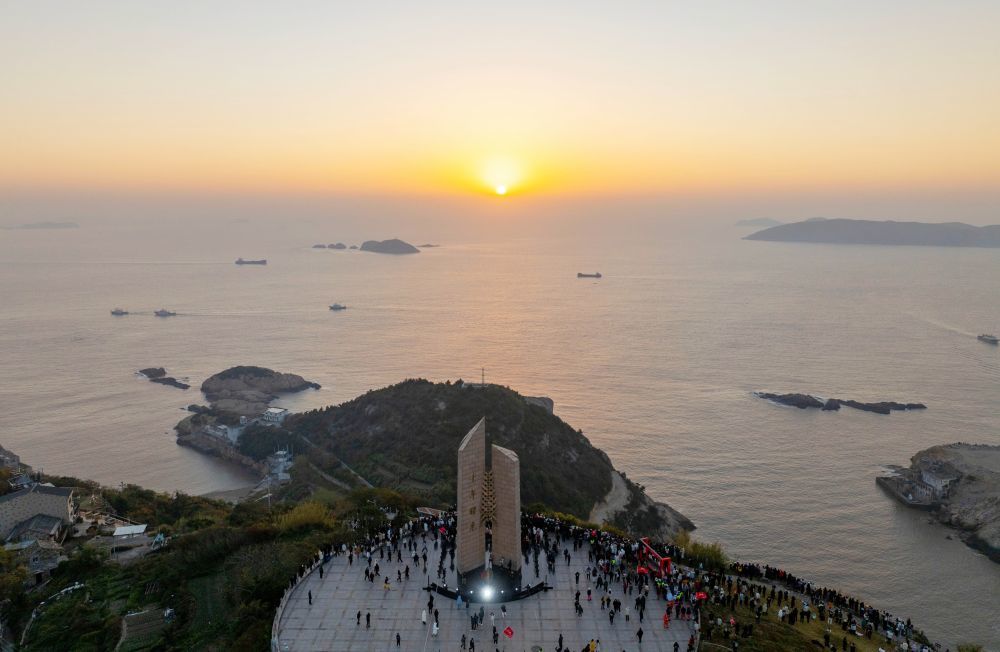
{"x":508,"y":632}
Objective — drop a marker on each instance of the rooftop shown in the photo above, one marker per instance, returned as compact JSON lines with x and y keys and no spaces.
{"x":38,"y":488}
{"x":37,"y":523}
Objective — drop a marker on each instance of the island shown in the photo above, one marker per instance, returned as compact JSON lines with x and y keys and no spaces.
{"x":337,"y":245}
{"x":960,"y":484}
{"x":804,"y":401}
{"x":843,"y":231}
{"x":394,"y":246}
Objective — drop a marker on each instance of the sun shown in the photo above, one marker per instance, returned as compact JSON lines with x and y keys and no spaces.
{"x":500,"y":175}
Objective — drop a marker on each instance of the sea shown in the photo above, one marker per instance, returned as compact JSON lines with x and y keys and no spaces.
{"x":657,"y":363}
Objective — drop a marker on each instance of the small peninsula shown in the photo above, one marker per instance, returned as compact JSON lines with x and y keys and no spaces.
{"x":960,"y":483}
{"x":869,"y":232}
{"x":395,"y":247}
{"x":804,"y":401}
{"x":247,"y":391}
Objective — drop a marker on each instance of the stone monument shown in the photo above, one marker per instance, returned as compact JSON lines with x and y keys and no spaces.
{"x":488,"y":546}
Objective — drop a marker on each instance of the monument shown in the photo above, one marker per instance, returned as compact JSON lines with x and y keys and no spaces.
{"x":488,"y":537}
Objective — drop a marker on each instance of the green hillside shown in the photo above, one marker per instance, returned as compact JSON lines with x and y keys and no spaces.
{"x":406,"y":437}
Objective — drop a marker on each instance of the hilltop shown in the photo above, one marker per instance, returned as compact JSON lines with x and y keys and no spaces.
{"x":841,"y":231}
{"x":405,"y":437}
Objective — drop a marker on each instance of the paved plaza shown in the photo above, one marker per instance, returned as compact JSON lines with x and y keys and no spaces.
{"x":330,"y":623}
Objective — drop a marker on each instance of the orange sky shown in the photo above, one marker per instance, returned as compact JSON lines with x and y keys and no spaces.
{"x":448,"y":98}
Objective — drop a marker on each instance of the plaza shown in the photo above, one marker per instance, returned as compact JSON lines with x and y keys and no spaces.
{"x":330,"y":623}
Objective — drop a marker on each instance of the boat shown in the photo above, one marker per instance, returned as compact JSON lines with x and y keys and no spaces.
{"x":118,"y":312}
{"x":337,"y":307}
{"x":240,"y":261}
{"x":164,"y":313}
{"x":585,"y":275}
{"x":989,"y":339}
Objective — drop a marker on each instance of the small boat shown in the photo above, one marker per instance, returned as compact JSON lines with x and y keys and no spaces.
{"x":118,"y":312}
{"x":585,"y":275}
{"x":337,"y":307}
{"x":240,"y":261}
{"x":989,"y":339}
{"x":164,"y":313}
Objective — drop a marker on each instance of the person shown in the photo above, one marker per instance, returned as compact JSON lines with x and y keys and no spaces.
{"x":423,"y":617}
{"x":321,"y":572}
{"x":368,"y":620}
{"x":398,"y":640}
{"x":310,"y":597}
{"x":359,"y":619}
{"x":472,"y":645}
{"x":639,"y":634}
{"x":434,"y":630}
{"x":560,"y":642}
{"x":463,"y":641}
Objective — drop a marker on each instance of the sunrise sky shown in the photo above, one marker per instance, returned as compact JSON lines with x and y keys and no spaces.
{"x":525,"y":97}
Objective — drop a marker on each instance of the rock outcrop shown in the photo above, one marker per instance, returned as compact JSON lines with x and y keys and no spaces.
{"x":159,"y":376}
{"x":804,"y":401}
{"x":394,"y":246}
{"x":247,"y":391}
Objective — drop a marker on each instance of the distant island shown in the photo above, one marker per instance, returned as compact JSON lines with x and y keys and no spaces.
{"x":394,"y":246}
{"x":842,"y":231}
{"x":759,"y":222}
{"x":44,"y":225}
{"x":960,"y":484}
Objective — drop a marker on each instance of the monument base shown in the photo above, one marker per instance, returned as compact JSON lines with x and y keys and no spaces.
{"x":490,"y":585}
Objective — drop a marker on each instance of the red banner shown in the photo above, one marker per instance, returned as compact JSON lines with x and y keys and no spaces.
{"x":508,"y":632}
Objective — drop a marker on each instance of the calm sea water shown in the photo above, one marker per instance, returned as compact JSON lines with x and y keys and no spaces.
{"x":656,"y":363}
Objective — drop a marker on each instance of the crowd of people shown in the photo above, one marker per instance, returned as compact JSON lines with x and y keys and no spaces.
{"x":622,"y":579}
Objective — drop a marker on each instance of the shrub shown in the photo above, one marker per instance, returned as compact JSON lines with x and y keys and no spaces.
{"x":307,"y":514}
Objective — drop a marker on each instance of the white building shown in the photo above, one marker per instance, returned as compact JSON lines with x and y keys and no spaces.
{"x":274,"y":415}
{"x":937,"y":480}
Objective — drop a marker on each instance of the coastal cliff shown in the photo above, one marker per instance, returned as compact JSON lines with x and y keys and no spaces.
{"x":971,"y":502}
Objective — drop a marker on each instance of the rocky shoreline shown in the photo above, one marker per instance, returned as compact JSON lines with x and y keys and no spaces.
{"x":970,"y":499}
